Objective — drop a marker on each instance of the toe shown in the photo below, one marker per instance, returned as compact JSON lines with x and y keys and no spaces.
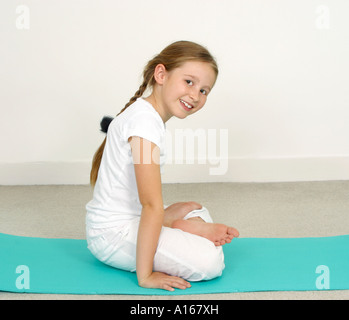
{"x":228,"y":240}
{"x":233,"y":232}
{"x":217,"y":243}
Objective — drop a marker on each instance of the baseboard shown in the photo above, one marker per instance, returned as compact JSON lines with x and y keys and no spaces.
{"x":263,"y":169}
{"x":45,"y":173}
{"x":277,"y":169}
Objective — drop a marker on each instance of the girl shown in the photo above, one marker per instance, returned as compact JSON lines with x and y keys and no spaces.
{"x":127,"y":225}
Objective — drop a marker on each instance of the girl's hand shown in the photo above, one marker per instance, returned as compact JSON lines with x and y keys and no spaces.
{"x":159,"y":280}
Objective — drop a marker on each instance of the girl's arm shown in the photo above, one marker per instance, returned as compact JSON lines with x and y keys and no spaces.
{"x":146,"y":158}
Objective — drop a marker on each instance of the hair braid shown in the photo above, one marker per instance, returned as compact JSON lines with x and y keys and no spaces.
{"x":148,"y":75}
{"x":138,"y":94}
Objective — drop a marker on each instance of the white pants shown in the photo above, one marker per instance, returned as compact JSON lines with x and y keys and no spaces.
{"x":178,"y":253}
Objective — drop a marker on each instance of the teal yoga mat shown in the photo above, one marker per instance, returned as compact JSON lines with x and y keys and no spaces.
{"x":41,"y":265}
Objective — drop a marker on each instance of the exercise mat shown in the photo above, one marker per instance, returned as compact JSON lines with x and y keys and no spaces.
{"x":65,"y":266}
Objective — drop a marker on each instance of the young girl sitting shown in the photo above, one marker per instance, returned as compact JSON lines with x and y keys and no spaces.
{"x":127,"y":225}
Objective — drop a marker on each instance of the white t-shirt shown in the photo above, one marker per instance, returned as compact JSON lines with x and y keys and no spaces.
{"x":115,"y":198}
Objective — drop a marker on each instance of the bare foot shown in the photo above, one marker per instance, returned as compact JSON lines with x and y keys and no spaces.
{"x":178,"y":211}
{"x":219,"y":234}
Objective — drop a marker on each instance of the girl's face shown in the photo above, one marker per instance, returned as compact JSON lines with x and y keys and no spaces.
{"x":184,"y":90}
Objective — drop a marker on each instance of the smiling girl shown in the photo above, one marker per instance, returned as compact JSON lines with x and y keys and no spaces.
{"x":127,"y":225}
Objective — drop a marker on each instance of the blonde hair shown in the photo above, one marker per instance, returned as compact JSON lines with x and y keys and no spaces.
{"x":172,"y":57}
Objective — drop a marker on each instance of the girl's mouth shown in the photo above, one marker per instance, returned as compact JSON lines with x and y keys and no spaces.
{"x":185,"y":105}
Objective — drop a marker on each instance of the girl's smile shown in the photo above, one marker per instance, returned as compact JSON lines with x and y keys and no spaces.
{"x":187,"y":106}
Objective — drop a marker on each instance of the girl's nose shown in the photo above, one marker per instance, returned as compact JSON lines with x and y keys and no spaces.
{"x":194,"y":95}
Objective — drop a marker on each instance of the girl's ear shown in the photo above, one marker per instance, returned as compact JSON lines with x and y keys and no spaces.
{"x":160,"y":74}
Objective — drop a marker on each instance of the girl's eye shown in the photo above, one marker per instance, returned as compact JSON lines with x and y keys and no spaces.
{"x":203,"y":91}
{"x":189,"y":82}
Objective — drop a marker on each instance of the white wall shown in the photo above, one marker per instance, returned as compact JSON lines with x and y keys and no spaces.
{"x":282,"y":92}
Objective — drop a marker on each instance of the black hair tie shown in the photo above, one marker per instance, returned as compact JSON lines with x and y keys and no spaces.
{"x":105,"y":123}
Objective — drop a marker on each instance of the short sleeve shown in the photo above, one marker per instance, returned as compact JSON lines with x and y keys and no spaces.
{"x":144,"y":125}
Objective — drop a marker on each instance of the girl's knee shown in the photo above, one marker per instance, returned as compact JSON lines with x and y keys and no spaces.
{"x":214,"y":264}
{"x":209,"y":266}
